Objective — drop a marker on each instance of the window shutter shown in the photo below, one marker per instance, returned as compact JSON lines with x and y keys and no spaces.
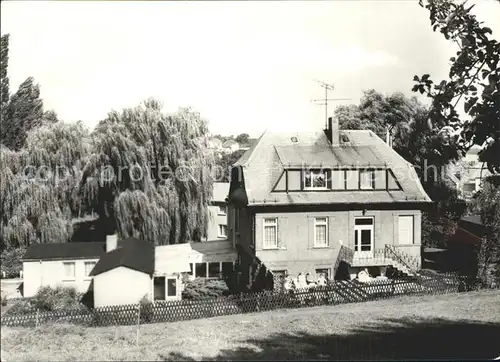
{"x":310,"y":233}
{"x":329,"y":179}
{"x":332,"y":239}
{"x":282,"y":232}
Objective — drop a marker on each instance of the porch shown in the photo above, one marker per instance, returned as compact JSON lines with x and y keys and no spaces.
{"x":406,"y":258}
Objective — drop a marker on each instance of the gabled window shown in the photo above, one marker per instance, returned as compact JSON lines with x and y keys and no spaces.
{"x":69,"y":270}
{"x":366,"y":179}
{"x":315,"y":180}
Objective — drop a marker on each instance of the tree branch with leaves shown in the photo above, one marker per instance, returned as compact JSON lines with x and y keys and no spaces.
{"x":474,"y":78}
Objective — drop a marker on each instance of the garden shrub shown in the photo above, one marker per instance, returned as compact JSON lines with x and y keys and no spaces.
{"x":22,"y":306}
{"x":58,"y":298}
{"x":146,"y":310}
{"x":204,"y":288}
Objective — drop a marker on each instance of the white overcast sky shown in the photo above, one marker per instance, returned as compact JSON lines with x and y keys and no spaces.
{"x":245,"y":66}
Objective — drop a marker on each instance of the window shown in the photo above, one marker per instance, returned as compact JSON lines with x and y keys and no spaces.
{"x":366,"y":179}
{"x":89,"y":265}
{"x":214,"y":270}
{"x":69,"y":270}
{"x":320,"y":232}
{"x":222,"y":231}
{"x":363,"y":236}
{"x":159,"y":288}
{"x":222,"y":210}
{"x":323,"y":271}
{"x":270,"y":233}
{"x":315,"y":179}
{"x":171,"y":287}
{"x":201,"y":270}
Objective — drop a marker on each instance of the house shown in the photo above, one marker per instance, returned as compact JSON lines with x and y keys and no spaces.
{"x":67,"y":264}
{"x":217,"y":209}
{"x":215,"y":143}
{"x":125,"y":271}
{"x":469,"y":173}
{"x":298,"y":199}
{"x":230,"y":146}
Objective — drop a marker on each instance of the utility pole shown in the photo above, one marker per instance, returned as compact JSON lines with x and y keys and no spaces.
{"x":324,"y":101}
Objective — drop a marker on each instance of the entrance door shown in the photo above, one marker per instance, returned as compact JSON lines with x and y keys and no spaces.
{"x":363,"y":237}
{"x":159,"y":288}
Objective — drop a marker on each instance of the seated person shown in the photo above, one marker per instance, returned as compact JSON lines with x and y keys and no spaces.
{"x":321,"y":280}
{"x":310,"y":281}
{"x":301,"y":281}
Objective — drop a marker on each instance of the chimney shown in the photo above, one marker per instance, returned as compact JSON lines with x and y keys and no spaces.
{"x":388,"y":137}
{"x":333,"y":132}
{"x":111,"y":242}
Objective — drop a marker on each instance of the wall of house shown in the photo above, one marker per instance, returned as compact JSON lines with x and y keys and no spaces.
{"x":216,"y":219}
{"x":121,"y":286}
{"x":51,"y":273}
{"x":296,"y":252}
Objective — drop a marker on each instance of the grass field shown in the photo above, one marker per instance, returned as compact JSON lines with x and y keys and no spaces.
{"x":453,"y":326}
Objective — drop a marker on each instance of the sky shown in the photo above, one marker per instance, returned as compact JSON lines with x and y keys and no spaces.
{"x":245,"y":66}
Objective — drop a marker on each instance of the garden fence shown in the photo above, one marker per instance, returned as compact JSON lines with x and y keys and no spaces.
{"x":334,"y":293}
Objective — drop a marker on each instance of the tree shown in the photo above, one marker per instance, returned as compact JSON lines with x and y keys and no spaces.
{"x":242,"y":138}
{"x":486,"y":203}
{"x":149,"y":175}
{"x":38,"y":194}
{"x":4,"y":79}
{"x":24,"y":112}
{"x":224,"y":164}
{"x":474,"y":77}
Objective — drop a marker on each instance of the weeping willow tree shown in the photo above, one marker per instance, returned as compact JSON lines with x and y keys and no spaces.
{"x":149,"y":175}
{"x":38,"y":193}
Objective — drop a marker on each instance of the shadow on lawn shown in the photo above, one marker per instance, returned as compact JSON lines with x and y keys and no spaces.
{"x":405,"y":339}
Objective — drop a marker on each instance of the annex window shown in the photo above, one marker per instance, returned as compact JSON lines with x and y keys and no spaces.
{"x":214,"y":270}
{"x":89,"y":265}
{"x":367,"y":179}
{"x":315,"y":179}
{"x":270,"y":233}
{"x":171,"y":287}
{"x":222,"y":231}
{"x":69,"y":270}
{"x":321,"y":232}
{"x":200,"y":270}
{"x":222,"y":210}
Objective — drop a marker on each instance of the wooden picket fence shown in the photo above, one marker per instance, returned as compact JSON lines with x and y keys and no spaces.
{"x":334,"y":293}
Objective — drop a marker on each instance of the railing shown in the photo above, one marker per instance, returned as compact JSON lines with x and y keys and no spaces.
{"x":408,"y":262}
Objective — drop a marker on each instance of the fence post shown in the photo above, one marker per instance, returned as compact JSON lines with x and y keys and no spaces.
{"x":138,"y":322}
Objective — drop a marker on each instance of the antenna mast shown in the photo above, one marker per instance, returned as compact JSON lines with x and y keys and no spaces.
{"x":324,"y":101}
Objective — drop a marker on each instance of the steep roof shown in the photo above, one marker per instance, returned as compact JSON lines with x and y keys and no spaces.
{"x":61,"y":251}
{"x":264,"y":163}
{"x":130,"y":253}
{"x":220,"y":191}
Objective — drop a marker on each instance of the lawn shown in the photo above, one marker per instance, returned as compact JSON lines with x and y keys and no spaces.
{"x":452,"y":326}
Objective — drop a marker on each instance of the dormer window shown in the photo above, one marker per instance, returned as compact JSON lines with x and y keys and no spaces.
{"x":315,"y":180}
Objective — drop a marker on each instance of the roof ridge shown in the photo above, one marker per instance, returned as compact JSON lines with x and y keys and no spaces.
{"x":254,"y":147}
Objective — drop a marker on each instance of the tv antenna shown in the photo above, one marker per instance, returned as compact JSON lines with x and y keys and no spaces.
{"x":324,"y":101}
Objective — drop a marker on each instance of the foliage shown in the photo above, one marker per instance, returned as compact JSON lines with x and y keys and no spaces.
{"x":149,"y":174}
{"x":4,"y":300}
{"x":224,"y":163}
{"x":204,"y":288}
{"x":58,"y":298}
{"x":243,"y":138}
{"x":38,"y":194}
{"x":22,"y":306}
{"x":146,"y":310}
{"x":474,"y":77}
{"x":11,"y":261}
{"x":486,"y":203}
{"x":4,"y":80}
